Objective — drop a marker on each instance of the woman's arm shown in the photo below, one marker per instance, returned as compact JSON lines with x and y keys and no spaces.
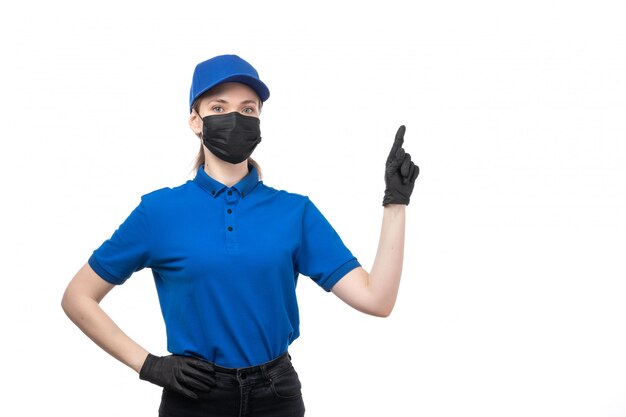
{"x":81,"y":304}
{"x":375,"y":292}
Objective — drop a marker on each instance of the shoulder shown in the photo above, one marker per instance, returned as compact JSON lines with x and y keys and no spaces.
{"x":168,"y":196}
{"x":296,"y":204}
{"x":286,"y":197}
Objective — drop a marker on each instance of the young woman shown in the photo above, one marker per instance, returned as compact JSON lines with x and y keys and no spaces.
{"x":225,"y":251}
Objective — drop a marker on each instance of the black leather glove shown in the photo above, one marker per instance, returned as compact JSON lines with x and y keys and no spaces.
{"x":182,"y":374}
{"x":400,"y":173}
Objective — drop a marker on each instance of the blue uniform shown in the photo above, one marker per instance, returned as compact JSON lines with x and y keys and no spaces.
{"x":226,"y":261}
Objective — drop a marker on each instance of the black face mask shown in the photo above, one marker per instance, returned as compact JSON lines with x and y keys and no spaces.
{"x":232,"y":136}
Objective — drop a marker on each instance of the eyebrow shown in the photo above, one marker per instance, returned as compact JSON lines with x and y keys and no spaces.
{"x":221,"y":100}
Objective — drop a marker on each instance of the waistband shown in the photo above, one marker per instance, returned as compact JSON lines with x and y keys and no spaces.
{"x":272,"y":368}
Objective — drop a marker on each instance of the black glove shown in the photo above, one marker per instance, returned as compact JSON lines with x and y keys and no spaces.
{"x":400,"y":173}
{"x":182,"y":374}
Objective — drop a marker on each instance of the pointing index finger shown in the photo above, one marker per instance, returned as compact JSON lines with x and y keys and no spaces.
{"x":397,"y":143}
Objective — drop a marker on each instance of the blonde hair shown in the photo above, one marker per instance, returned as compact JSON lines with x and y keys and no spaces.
{"x":200,"y":160}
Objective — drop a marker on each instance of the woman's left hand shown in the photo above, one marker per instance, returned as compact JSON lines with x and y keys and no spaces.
{"x":400,"y":173}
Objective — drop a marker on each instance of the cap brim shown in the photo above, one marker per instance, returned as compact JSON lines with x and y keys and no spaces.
{"x":258,"y":86}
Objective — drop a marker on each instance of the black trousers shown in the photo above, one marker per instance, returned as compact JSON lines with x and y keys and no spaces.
{"x":269,"y":390}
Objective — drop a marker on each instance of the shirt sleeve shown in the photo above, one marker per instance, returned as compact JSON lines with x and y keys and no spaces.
{"x":126,"y":251}
{"x":322,"y":255}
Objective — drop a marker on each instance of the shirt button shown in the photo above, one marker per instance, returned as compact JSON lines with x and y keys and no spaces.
{"x":212,"y":192}
{"x":243,"y":194}
{"x":230,"y":228}
{"x":230,"y":192}
{"x":229,"y":211}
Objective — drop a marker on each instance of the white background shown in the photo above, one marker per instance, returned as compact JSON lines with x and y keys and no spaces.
{"x":512,"y":297}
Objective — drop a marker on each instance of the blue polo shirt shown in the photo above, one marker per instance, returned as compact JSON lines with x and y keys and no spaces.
{"x":226,"y":261}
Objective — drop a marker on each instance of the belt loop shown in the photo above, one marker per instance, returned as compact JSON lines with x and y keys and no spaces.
{"x":264,"y":373}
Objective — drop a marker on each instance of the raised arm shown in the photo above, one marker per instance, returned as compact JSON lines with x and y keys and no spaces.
{"x":375,"y":293}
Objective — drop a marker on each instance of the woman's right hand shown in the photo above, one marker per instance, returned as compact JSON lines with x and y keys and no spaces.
{"x":182,"y":374}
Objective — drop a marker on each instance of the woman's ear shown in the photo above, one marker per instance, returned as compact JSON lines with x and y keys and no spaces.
{"x":195,"y":123}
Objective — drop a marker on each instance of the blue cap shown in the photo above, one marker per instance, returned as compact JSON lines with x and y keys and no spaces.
{"x":223,"y":69}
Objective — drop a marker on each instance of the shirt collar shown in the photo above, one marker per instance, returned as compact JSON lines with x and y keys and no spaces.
{"x":214,"y":187}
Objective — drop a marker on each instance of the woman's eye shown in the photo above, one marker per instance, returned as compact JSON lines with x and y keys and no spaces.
{"x":217,"y":109}
{"x":248,"y":110}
